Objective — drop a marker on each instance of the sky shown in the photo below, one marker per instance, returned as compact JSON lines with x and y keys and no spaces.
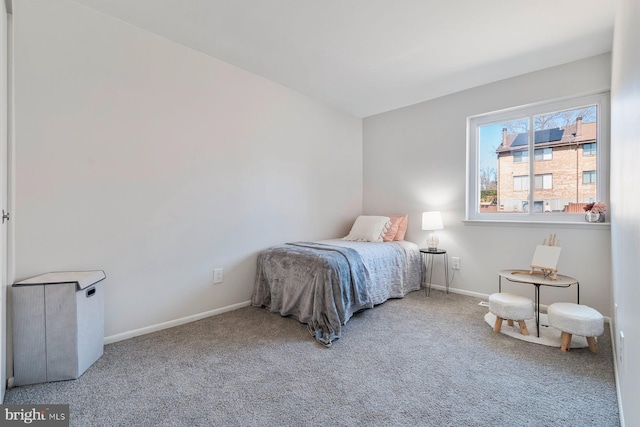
{"x":490,"y":140}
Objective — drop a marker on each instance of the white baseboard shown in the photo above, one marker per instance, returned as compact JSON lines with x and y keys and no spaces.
{"x":614,"y":347}
{"x":170,"y":324}
{"x":459,"y":291}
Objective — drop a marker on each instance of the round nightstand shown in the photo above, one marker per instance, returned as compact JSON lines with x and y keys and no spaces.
{"x":427,"y":259}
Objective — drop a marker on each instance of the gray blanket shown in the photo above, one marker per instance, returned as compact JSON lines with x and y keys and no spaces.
{"x":319,"y":284}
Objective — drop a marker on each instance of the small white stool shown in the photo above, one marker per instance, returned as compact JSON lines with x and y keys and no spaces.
{"x":573,"y":319}
{"x":511,"y":307}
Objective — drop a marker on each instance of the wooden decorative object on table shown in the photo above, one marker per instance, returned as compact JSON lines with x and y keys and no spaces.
{"x":546,"y":257}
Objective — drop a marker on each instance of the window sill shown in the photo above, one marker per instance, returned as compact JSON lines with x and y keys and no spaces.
{"x":540,"y":224}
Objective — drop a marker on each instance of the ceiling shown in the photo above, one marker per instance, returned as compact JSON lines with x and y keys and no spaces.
{"x":371,"y":56}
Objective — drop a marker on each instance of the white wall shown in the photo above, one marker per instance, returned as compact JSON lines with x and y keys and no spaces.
{"x":157,"y":164}
{"x":415,"y":161}
{"x":4,"y":105}
{"x":625,"y":181}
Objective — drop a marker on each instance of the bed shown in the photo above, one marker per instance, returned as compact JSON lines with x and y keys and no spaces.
{"x":323,"y":283}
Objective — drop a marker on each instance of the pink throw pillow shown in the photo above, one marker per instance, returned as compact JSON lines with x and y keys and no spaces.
{"x":393,"y":228}
{"x":402,"y":228}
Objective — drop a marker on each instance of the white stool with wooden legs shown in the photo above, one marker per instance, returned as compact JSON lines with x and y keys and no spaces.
{"x":573,"y":319}
{"x":511,"y":307}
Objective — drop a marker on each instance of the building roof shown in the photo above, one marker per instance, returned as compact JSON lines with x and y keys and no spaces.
{"x":564,"y":135}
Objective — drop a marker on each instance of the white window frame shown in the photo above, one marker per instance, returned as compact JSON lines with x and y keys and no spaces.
{"x":601,"y":99}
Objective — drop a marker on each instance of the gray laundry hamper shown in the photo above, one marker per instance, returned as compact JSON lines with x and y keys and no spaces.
{"x":58,"y":325}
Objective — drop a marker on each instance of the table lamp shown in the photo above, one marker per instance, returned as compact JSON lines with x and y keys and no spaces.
{"x":432,"y":221}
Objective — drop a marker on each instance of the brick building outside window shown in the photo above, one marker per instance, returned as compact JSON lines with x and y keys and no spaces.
{"x":564,"y":167}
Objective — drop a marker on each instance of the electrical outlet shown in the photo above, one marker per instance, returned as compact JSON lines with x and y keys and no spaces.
{"x":455,"y":263}
{"x":217,"y":275}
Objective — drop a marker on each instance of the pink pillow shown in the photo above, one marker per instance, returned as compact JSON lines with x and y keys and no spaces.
{"x":396,"y":220}
{"x":402,"y":228}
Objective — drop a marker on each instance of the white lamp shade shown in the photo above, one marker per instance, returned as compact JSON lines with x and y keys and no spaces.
{"x":432,"y":221}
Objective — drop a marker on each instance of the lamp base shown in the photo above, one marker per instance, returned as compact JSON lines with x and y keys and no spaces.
{"x":432,"y":242}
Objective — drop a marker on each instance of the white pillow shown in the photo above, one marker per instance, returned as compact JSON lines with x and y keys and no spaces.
{"x":369,"y":228}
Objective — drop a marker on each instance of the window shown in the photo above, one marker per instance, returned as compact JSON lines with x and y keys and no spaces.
{"x":589,"y":177}
{"x":589,"y":149}
{"x":543,"y":154}
{"x":521,"y":156}
{"x":521,"y":183}
{"x":568,"y":172}
{"x":544,"y":182}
